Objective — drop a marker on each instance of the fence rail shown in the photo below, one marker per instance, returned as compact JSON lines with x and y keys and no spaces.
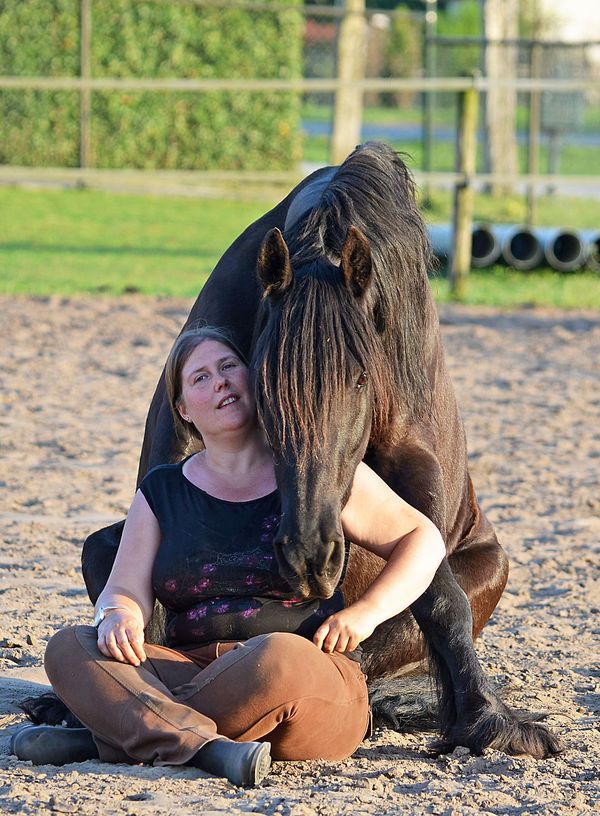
{"x":174,"y":178}
{"x":415,"y":84}
{"x":178,"y":181}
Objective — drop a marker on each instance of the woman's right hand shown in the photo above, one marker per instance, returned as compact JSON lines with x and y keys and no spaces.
{"x":121,"y":636}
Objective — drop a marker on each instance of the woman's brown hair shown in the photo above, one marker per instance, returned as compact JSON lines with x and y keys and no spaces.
{"x":178,"y":356}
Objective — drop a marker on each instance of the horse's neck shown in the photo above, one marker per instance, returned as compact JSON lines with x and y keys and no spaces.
{"x":308,"y":198}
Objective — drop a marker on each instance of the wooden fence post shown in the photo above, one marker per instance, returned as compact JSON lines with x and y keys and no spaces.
{"x":466,"y":161}
{"x":85,"y":99}
{"x":534,"y":132}
{"x":351,"y":60}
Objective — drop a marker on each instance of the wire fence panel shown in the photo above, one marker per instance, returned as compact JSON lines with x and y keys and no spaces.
{"x":228,"y":85}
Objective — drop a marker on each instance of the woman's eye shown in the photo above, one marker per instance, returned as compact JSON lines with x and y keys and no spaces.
{"x":362,"y":380}
{"x":200,"y":378}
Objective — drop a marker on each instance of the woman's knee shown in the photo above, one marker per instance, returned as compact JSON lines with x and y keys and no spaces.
{"x":287,"y":659}
{"x":64,"y":647}
{"x":280,"y":645}
{"x":322,"y":698}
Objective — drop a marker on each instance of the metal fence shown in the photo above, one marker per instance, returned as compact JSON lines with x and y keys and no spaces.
{"x":558,"y":121}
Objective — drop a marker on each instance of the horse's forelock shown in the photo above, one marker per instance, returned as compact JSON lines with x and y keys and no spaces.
{"x":315,"y":339}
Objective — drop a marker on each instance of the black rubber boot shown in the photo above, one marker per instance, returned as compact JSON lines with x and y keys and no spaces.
{"x":242,"y":763}
{"x":53,"y":745}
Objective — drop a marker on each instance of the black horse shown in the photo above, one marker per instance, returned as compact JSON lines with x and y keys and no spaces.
{"x":348,"y":363}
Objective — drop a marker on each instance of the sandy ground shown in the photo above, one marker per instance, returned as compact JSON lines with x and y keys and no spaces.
{"x":76,"y":379}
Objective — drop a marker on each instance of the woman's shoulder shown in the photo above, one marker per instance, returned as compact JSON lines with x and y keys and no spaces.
{"x":160,"y":485}
{"x":161,"y":475}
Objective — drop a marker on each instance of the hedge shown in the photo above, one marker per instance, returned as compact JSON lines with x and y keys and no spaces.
{"x":211,"y":130}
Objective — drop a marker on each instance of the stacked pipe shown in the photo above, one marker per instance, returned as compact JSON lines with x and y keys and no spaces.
{"x":523,"y":248}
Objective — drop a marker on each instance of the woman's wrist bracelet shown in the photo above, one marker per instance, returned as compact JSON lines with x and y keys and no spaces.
{"x":101,"y":613}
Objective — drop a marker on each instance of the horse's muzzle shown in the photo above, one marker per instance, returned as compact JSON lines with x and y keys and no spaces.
{"x":314,"y":575}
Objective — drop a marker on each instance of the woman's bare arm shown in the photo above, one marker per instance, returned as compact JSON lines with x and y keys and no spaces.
{"x":379,"y":520}
{"x":129,"y":587}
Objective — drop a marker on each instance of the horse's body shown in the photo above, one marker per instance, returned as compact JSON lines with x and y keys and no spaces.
{"x":369,"y":285}
{"x":427,"y":465}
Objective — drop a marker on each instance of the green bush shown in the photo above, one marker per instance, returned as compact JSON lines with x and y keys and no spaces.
{"x":404,"y":56}
{"x":211,"y":130}
{"x":463,"y":19}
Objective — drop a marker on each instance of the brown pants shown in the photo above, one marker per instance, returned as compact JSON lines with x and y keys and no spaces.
{"x":278,"y":687}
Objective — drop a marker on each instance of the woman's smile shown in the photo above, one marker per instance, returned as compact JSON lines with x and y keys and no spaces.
{"x":229,"y":400}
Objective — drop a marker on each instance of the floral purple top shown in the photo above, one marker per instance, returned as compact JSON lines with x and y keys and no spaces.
{"x":215,"y":571}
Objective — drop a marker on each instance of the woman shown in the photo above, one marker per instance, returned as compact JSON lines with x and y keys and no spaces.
{"x":245,"y":662}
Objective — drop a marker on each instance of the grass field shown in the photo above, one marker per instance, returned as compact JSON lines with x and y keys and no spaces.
{"x":74,"y":241}
{"x":444,"y":114}
{"x":552,"y":211}
{"x":574,"y":159}
{"x":90,"y":241}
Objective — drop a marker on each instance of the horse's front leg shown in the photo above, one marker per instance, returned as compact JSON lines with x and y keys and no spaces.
{"x":471,"y":713}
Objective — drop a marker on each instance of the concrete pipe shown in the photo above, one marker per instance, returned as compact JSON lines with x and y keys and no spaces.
{"x":565,"y":250}
{"x":485,"y":246}
{"x":440,"y":237}
{"x":592,"y":239}
{"x":521,"y":248}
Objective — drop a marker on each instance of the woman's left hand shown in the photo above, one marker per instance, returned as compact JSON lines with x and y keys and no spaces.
{"x":343,"y":631}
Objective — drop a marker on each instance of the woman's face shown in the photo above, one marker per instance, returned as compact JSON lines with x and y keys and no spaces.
{"x":215,"y":390}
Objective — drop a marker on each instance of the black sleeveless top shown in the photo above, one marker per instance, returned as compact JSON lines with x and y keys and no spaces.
{"x":216,"y":572}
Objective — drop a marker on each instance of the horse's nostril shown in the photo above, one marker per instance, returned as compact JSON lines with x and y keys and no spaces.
{"x":330,"y":566}
{"x":328,"y":571}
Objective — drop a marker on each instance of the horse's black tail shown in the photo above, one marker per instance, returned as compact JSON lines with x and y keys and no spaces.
{"x":405,"y":704}
{"x":48,"y":709}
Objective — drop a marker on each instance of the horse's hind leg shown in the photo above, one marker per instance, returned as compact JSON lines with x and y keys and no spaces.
{"x":97,"y":557}
{"x":480,"y":566}
{"x":49,"y":709}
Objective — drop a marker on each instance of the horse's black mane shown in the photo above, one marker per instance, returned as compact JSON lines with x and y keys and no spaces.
{"x":307,"y":357}
{"x":319,"y":329}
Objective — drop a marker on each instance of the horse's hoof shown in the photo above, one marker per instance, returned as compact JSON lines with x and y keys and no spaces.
{"x":504,"y":732}
{"x":405,"y":705}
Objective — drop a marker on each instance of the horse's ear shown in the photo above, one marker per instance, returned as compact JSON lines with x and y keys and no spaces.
{"x":274,"y":267}
{"x":356,"y":263}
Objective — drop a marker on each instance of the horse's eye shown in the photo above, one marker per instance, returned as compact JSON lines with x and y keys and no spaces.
{"x":362,"y":380}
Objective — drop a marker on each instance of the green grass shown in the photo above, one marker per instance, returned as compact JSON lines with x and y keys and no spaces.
{"x":90,"y":241}
{"x":444,"y":114}
{"x":505,"y":288}
{"x":552,"y":211}
{"x":74,"y":241}
{"x":574,"y":159}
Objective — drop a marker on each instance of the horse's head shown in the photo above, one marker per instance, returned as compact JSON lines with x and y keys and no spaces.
{"x":321,"y":389}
